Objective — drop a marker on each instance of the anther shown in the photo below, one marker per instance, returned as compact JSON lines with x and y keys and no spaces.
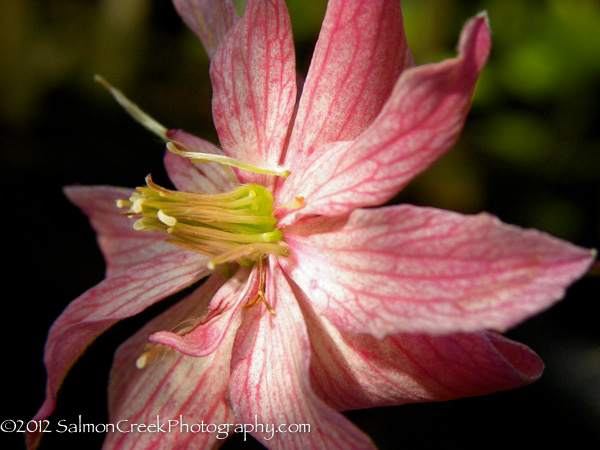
{"x":166,"y":219}
{"x":143,"y":360}
{"x":153,"y":353}
{"x":136,"y":207}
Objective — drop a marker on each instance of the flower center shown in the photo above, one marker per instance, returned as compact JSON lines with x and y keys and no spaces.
{"x":236,"y":226}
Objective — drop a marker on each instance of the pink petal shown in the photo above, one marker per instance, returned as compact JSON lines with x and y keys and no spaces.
{"x":354,"y":371}
{"x":254,"y":89}
{"x":122,"y":246}
{"x":421,"y":120}
{"x":205,"y":178}
{"x":360,"y":53}
{"x":115,"y":298}
{"x":270,"y":377}
{"x":209,"y":19}
{"x":421,"y":270}
{"x":173,"y":387}
{"x":208,"y":334}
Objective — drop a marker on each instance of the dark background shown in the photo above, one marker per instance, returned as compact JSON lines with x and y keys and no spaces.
{"x":529,"y":154}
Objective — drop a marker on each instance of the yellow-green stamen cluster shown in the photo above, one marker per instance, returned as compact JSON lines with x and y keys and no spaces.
{"x":236,"y":226}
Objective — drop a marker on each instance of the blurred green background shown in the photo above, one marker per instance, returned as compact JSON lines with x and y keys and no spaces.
{"x":529,"y":153}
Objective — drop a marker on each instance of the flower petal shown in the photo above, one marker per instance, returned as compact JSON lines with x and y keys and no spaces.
{"x":421,"y":120}
{"x":115,"y":298}
{"x":270,"y":382}
{"x":421,"y":270}
{"x":354,"y":371}
{"x":360,"y":53}
{"x":188,"y":176}
{"x":208,"y":334}
{"x":122,"y":246}
{"x":254,"y":88}
{"x":173,"y":387}
{"x":209,"y":19}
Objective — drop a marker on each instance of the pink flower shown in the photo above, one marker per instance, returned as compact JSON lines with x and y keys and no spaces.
{"x":335,"y":307}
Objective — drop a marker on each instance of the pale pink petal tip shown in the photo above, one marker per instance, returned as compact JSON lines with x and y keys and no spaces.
{"x":526,"y":363}
{"x":477,"y":30}
{"x":210,"y":20}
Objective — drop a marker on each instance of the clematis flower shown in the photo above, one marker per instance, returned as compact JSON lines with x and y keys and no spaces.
{"x":314,"y":302}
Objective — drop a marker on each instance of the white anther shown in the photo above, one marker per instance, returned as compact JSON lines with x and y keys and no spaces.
{"x":142,"y":361}
{"x":166,"y":219}
{"x":136,"y":207}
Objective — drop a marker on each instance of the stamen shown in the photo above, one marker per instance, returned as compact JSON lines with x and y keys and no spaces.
{"x":136,"y":206}
{"x":186,"y":326}
{"x":225,"y":160}
{"x":249,"y":253}
{"x":236,"y":226}
{"x":297,"y":203}
{"x":260,"y":294}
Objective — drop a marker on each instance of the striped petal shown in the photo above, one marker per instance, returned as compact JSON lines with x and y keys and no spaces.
{"x":420,"y":121}
{"x":208,"y":334}
{"x":254,"y":87}
{"x":360,"y":53}
{"x":420,"y":270}
{"x":270,"y":381}
{"x":117,"y":297}
{"x":121,"y":245}
{"x":210,"y":20}
{"x":173,"y":387}
{"x":354,"y":371}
